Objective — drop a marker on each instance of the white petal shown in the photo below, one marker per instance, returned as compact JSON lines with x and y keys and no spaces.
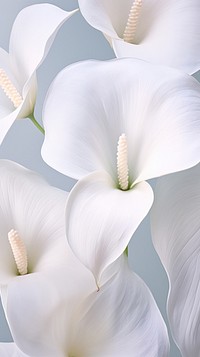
{"x":167,"y":32}
{"x":32,"y":35}
{"x":31,"y":38}
{"x":36,"y":210}
{"x":176,"y":237}
{"x":108,"y":16}
{"x":6,"y":123}
{"x":30,"y":309}
{"x":10,"y":350}
{"x":100,"y":219}
{"x":8,"y":113}
{"x":6,"y":66}
{"x":90,"y":104}
{"x":35,"y":306}
{"x":121,"y":319}
{"x":170,"y":38}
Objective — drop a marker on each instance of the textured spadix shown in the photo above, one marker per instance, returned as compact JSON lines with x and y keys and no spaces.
{"x":36,"y":211}
{"x":131,"y":26}
{"x":160,"y":31}
{"x":9,"y":89}
{"x":19,"y":251}
{"x":31,"y":37}
{"x":88,"y":107}
{"x":122,"y":162}
{"x":121,"y":319}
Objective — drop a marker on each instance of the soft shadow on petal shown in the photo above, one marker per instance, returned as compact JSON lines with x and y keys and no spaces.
{"x":167,"y":32}
{"x":122,"y":319}
{"x":7,"y":121}
{"x":6,"y":66}
{"x":30,"y":308}
{"x":108,"y":16}
{"x":176,"y":237}
{"x":36,"y":210}
{"x":49,"y":301}
{"x":100,"y":219}
{"x":32,"y":35}
{"x":90,"y":104}
{"x":10,"y":350}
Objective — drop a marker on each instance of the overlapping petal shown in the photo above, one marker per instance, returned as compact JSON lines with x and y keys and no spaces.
{"x":166,"y":33}
{"x":11,"y":350}
{"x":90,"y":104}
{"x":100,"y":219}
{"x":31,"y":37}
{"x":30,"y":310}
{"x":122,"y":319}
{"x":55,"y":277}
{"x":36,"y":210}
{"x":176,"y":237}
{"x":107,"y":16}
{"x":42,"y":298}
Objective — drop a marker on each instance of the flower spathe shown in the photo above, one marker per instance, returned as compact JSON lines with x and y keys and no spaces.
{"x":158,"y":31}
{"x":175,"y":229}
{"x":105,"y":323}
{"x":35,"y":210}
{"x":26,"y":199}
{"x":31,"y":38}
{"x":96,"y":104}
{"x":109,"y":322}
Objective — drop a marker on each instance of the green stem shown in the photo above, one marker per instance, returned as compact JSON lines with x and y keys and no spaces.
{"x":34,"y":121}
{"x":126,"y":251}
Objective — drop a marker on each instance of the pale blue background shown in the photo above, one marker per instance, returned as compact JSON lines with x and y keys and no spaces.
{"x":76,"y":41}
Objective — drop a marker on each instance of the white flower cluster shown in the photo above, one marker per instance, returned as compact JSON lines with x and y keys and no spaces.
{"x":65,"y":283}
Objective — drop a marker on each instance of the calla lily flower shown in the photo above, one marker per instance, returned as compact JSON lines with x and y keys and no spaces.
{"x":121,"y":319}
{"x":37,"y":267}
{"x":31,"y":38}
{"x":158,"y":31}
{"x":176,"y":237}
{"x":114,"y":125}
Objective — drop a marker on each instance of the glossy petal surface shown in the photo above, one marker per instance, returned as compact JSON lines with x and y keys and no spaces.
{"x":32,"y":35}
{"x":30,"y":309}
{"x":90,"y":104}
{"x":176,"y":237}
{"x":121,"y":319}
{"x":167,"y":32}
{"x":100,"y":219}
{"x":36,"y":210}
{"x":55,"y":277}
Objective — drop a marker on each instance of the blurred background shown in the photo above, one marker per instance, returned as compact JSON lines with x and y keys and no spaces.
{"x":75,"y":41}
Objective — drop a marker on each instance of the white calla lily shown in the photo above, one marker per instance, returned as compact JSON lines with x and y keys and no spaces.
{"x":176,"y":237}
{"x":122,"y":319}
{"x":35,"y":210}
{"x":31,"y":38}
{"x":100,"y":219}
{"x":129,"y":120}
{"x":157,"y":31}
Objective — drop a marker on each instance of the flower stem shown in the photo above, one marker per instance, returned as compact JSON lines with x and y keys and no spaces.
{"x":126,"y":251}
{"x":34,"y":121}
